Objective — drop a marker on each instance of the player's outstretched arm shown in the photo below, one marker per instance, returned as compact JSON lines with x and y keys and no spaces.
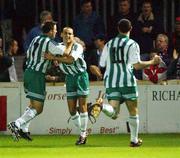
{"x":143,"y":64}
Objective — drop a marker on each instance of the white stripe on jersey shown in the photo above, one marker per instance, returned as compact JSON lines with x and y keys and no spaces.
{"x":113,"y":69}
{"x":79,"y":65}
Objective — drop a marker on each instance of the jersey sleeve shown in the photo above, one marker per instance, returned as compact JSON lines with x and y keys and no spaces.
{"x":56,"y":48}
{"x":77,"y":51}
{"x":134,"y":54}
{"x":103,"y":58}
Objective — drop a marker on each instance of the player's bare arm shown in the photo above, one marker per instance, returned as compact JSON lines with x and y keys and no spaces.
{"x":96,"y":71}
{"x":61,"y":59}
{"x":143,"y":64}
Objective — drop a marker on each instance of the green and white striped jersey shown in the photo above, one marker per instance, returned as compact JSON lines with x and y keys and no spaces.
{"x":38,"y":46}
{"x":79,"y":64}
{"x":118,"y":56}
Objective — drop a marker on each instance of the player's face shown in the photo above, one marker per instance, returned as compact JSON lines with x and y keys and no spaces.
{"x":68,"y":35}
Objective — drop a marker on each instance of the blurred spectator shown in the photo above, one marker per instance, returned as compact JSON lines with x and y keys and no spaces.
{"x":95,"y":71}
{"x":124,"y":12}
{"x":1,"y":49}
{"x":155,"y":73}
{"x":23,"y":18}
{"x":146,"y":29}
{"x":176,"y":35}
{"x":78,"y":40}
{"x":1,"y":39}
{"x":5,"y":63}
{"x":88,"y":24}
{"x":173,"y":71}
{"x":54,"y":74}
{"x":12,"y":48}
{"x":161,"y":44}
{"x":36,"y":31}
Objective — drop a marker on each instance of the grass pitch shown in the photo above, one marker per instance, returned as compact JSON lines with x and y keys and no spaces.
{"x":98,"y":146}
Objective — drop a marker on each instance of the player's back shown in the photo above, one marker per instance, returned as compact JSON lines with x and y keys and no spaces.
{"x":118,"y":70}
{"x":35,"y":59}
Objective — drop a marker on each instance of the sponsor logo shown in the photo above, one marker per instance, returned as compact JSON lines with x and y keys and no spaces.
{"x":104,"y":130}
{"x":165,"y":95}
{"x":61,"y":131}
{"x":58,"y":96}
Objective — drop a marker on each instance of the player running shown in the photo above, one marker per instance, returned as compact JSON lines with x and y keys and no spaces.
{"x":120,"y":55}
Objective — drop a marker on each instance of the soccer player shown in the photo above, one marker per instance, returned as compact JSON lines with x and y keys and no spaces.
{"x":120,"y":55}
{"x":34,"y":78}
{"x":77,"y":82}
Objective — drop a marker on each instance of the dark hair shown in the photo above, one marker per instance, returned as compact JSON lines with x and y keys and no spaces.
{"x":147,"y":2}
{"x":119,"y":1}
{"x":9,"y":43}
{"x":101,"y":37}
{"x":48,"y":26}
{"x":85,"y":1}
{"x":44,"y":14}
{"x":124,"y":25}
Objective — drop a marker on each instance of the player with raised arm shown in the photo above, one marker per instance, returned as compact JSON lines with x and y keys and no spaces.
{"x":77,"y":82}
{"x":120,"y":55}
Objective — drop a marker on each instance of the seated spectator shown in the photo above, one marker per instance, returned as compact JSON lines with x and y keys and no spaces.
{"x":146,"y":28}
{"x":12,"y":48}
{"x":155,"y":73}
{"x":161,"y":44}
{"x":36,"y":31}
{"x":124,"y":12}
{"x":5,"y":63}
{"x":88,"y":24}
{"x":176,"y":35}
{"x":95,"y":71}
{"x":54,"y":74}
{"x":173,"y":71}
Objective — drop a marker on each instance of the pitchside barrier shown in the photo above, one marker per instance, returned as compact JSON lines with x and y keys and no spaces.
{"x":159,"y":109}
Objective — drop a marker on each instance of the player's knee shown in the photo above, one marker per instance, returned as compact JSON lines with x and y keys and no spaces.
{"x":72,"y":113}
{"x":114,"y":117}
{"x":39,"y":111}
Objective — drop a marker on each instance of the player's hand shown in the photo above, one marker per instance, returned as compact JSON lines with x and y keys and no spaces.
{"x":56,"y":63}
{"x":49,"y":56}
{"x":157,"y":60}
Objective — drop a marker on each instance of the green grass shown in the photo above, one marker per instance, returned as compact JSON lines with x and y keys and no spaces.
{"x":98,"y":146}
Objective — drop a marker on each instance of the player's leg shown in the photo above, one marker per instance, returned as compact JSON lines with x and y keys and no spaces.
{"x":112,"y":108}
{"x":35,"y":108}
{"x":72,"y":100}
{"x":130,"y":95}
{"x":83,"y":117}
{"x":133,"y":122}
{"x":82,"y":92}
{"x":75,"y":117}
{"x":34,"y":85}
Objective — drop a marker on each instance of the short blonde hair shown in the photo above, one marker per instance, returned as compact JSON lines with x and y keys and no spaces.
{"x":163,"y":36}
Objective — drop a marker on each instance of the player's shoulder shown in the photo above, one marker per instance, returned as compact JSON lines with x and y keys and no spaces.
{"x":132,"y":42}
{"x":77,"y":46}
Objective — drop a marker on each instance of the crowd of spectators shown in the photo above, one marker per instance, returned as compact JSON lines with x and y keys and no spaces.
{"x":89,"y":27}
